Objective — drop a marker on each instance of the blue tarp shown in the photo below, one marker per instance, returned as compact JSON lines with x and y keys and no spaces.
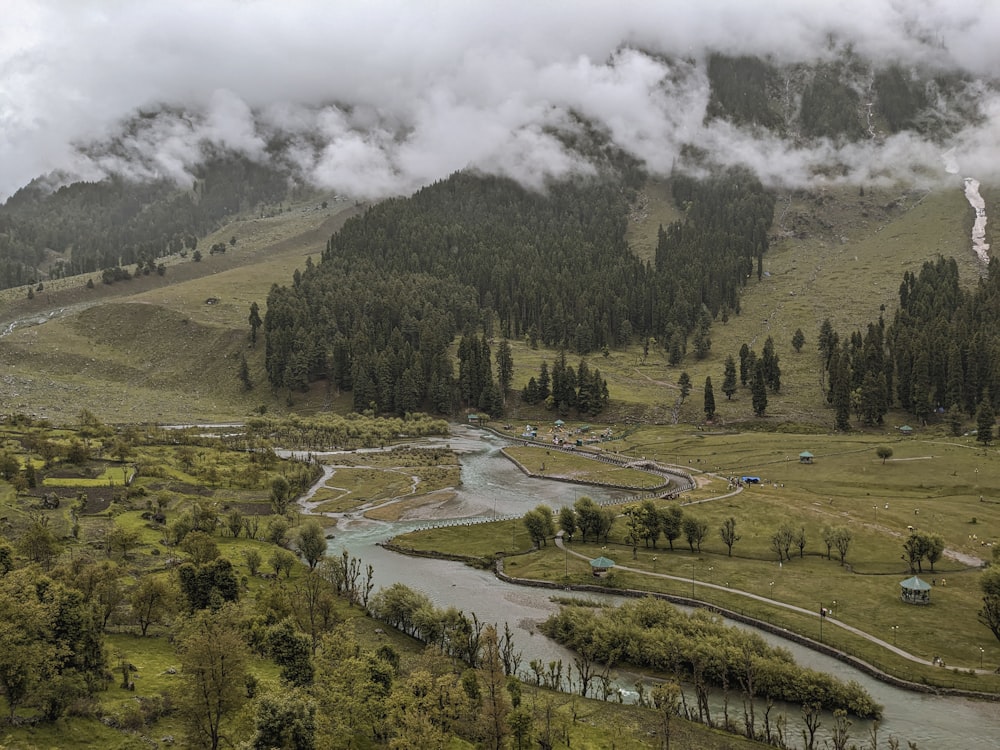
{"x":750,"y":480}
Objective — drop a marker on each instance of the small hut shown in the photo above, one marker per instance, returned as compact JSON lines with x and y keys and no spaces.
{"x":906,"y":429}
{"x":915,"y":591}
{"x":805,"y":457}
{"x":600,"y":566}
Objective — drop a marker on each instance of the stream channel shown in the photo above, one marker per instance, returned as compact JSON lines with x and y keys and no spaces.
{"x":493,"y":485}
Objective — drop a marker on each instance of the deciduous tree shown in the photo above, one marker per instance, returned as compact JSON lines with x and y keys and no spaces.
{"x":539,"y":524}
{"x":694,"y":532}
{"x":151,"y":600}
{"x":280,"y":495}
{"x":213,"y":674}
{"x":284,"y":720}
{"x":667,"y":699}
{"x":292,"y":651}
{"x":311,"y":542}
{"x":728,"y":533}
{"x":671,"y":524}
{"x":989,"y":614}
{"x":495,"y":703}
{"x":567,"y":522}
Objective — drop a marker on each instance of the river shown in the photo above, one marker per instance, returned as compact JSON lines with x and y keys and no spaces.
{"x":491,"y":484}
{"x":971,"y":189}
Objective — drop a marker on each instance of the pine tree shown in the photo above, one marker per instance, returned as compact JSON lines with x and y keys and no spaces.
{"x":544,"y":382}
{"x":759,"y":390}
{"x":870,"y":398}
{"x":505,"y":366}
{"x":840,"y":389}
{"x":530,"y":393}
{"x":956,"y":375}
{"x":684,"y":383}
{"x":921,"y":393}
{"x":826,"y":341}
{"x":956,"y":420}
{"x":798,"y":340}
{"x":245,"y":373}
{"x":772,"y":372}
{"x":745,"y":370}
{"x":255,"y":322}
{"x":709,"y":400}
{"x":985,"y":419}
{"x":729,"y":379}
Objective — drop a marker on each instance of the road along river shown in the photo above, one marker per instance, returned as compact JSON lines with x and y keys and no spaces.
{"x":492,"y":484}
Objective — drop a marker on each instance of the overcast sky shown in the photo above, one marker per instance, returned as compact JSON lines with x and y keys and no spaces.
{"x":378,"y":98}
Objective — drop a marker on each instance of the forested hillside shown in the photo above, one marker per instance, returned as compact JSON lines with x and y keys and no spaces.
{"x":940,"y":354}
{"x":88,"y":226}
{"x":845,"y":98}
{"x":396,"y":285}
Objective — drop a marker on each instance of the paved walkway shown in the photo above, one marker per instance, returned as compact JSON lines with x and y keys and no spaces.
{"x":773,"y":602}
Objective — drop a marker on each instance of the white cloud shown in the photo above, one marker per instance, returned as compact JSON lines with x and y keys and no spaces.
{"x":379,"y":97}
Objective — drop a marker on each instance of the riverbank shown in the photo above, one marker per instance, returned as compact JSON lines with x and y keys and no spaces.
{"x":498,"y":568}
{"x":491,"y":484}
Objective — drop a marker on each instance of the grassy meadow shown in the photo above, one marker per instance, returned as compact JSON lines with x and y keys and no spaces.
{"x":574,"y":467}
{"x":931,"y":482}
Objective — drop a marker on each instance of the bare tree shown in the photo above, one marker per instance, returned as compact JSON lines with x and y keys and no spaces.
{"x":728,"y":534}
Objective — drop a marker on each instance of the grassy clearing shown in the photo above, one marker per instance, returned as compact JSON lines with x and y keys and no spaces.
{"x":653,"y":209}
{"x":419,"y":506}
{"x":475,"y":541}
{"x":359,"y":486}
{"x":579,"y":468}
{"x":74,"y":734}
{"x":596,"y":725}
{"x":932,"y":482}
{"x":376,"y":477}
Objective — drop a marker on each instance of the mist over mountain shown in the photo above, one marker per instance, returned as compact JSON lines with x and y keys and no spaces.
{"x":379,"y":98}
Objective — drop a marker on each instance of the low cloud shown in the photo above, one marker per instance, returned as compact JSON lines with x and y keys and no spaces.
{"x":378,"y":98}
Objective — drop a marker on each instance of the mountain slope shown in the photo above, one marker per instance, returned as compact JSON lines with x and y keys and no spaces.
{"x":834,"y":254}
